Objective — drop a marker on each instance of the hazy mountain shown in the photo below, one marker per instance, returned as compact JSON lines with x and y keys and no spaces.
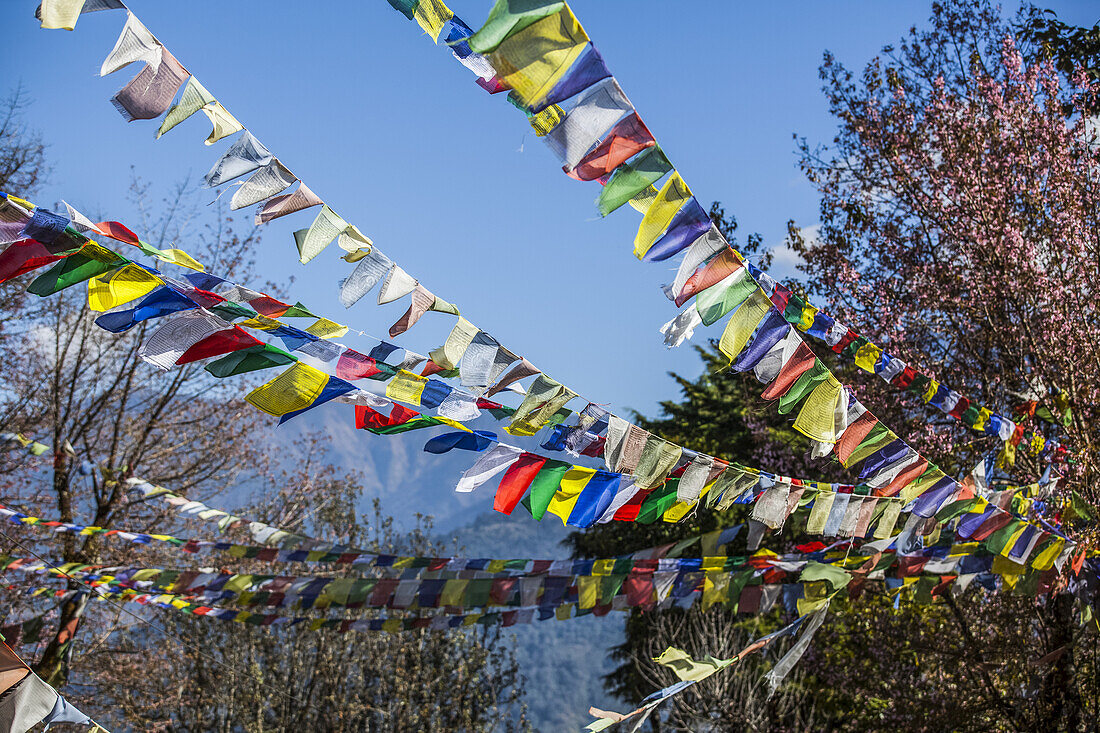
{"x":562,"y":660}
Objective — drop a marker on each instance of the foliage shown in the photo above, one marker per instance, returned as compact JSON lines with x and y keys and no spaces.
{"x":1074,"y":49}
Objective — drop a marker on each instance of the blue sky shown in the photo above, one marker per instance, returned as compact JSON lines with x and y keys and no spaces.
{"x":450,"y":182}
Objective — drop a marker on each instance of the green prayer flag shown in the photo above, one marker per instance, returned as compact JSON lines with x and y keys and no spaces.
{"x":802,"y":387}
{"x":633,"y":177}
{"x":506,"y":17}
{"x":658,"y":502}
{"x":229,"y":311}
{"x":477,"y":592}
{"x":998,"y":541}
{"x":405,"y":7}
{"x":717,"y":301}
{"x":851,"y":349}
{"x":920,"y":384}
{"x":91,"y":261}
{"x":955,"y":509}
{"x":737,"y":583}
{"x":299,"y":311}
{"x":503,"y":412}
{"x":834,"y":576}
{"x":610,"y":587}
{"x":544,"y":486}
{"x":416,"y":423}
{"x":387,"y":371}
{"x":249,"y":360}
{"x":793,"y":312}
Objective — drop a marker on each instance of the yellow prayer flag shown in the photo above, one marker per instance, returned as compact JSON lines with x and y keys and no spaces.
{"x":326,"y":329}
{"x":570,"y":487}
{"x":563,"y":612}
{"x":123,"y":285}
{"x":1012,"y":541}
{"x":603,"y":567}
{"x":642,"y":201}
{"x":983,"y":419}
{"x":453,"y":423}
{"x":237,"y":583}
{"x":865,"y":449}
{"x":454,"y":593}
{"x":713,"y":563}
{"x":809,"y":312}
{"x":533,"y":60}
{"x":294,"y":389}
{"x":432,"y":15}
{"x":817,"y":418}
{"x":545,"y":121}
{"x":1045,"y":559}
{"x":181,"y":258}
{"x":260,"y":323}
{"x":922,"y":484}
{"x":671,"y":198}
{"x":450,"y":353}
{"x":715,"y":589}
{"x":867,"y":356}
{"x":1003,"y":566}
{"x":742,"y":323}
{"x":688,"y":669}
{"x":224,"y":123}
{"x":933,"y":387}
{"x":406,"y":387}
{"x":588,"y":591}
{"x":60,"y":14}
{"x":680,"y":509}
{"x":815,"y":595}
{"x":823,"y":504}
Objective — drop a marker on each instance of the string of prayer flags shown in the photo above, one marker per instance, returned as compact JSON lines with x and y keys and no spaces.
{"x":647,"y":496}
{"x":823,"y":417}
{"x":873,"y":359}
{"x":560,"y":36}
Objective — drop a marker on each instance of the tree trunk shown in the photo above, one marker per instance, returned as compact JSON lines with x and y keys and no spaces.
{"x":1058,"y":699}
{"x":53,"y":667}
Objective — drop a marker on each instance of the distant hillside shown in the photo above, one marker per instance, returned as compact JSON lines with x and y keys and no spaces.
{"x":562,"y":660}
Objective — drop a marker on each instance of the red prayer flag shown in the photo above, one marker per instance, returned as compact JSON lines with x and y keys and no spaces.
{"x":625,"y":140}
{"x":24,"y":256}
{"x":516,"y":480}
{"x":217,"y":344}
{"x":710,"y":273}
{"x":118,"y":232}
{"x":353,"y":365}
{"x":265,"y":305}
